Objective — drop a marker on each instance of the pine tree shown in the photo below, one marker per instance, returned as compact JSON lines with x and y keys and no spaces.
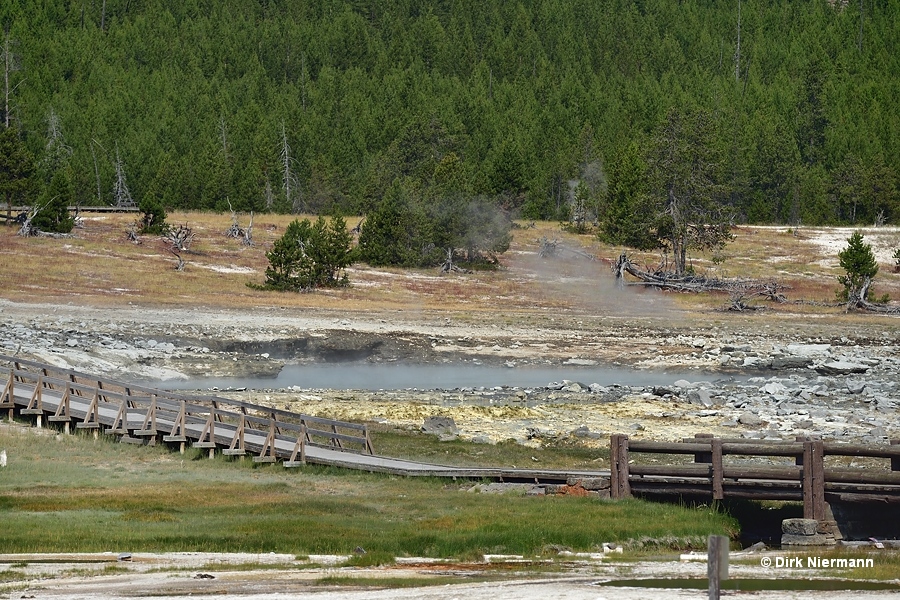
{"x":860,"y":266}
{"x":310,"y":255}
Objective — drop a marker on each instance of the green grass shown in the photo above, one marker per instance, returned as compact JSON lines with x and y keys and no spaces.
{"x":75,"y":494}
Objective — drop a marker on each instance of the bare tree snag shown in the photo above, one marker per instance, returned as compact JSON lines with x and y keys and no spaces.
{"x":238,"y":232}
{"x":235,"y":231}
{"x":132,"y":233}
{"x":179,"y":266}
{"x":247,"y":240}
{"x":857,"y":300}
{"x":25,"y":218}
{"x":181,"y":238}
{"x":121,"y":195}
{"x":448,"y":265}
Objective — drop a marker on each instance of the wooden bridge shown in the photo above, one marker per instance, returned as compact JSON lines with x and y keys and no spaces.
{"x":142,"y":415}
{"x":733,"y":468}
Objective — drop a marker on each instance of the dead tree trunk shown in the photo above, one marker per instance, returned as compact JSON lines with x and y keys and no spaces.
{"x":181,"y":238}
{"x":248,"y":233}
{"x":179,"y":266}
{"x":858,"y":299}
{"x":741,"y":289}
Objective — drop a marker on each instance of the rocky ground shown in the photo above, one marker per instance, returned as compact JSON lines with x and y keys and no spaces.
{"x":761,"y":378}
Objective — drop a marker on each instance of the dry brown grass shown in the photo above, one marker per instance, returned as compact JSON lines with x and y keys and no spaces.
{"x":100,"y":266}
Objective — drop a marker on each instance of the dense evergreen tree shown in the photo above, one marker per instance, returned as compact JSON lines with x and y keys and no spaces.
{"x":859,"y":264}
{"x":201,"y":98}
{"x":310,"y":255}
{"x":397,"y":233}
{"x":53,"y":204}
{"x":686,"y":192}
{"x":16,"y":168}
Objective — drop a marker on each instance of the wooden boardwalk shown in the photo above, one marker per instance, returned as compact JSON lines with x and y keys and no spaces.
{"x":142,"y":415}
{"x":761,"y":470}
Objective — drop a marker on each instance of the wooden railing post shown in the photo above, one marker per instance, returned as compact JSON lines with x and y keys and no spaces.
{"x":895,"y":461}
{"x":618,"y":466}
{"x":369,"y":449}
{"x":814,"y":480}
{"x":8,"y":399}
{"x":703,"y":457}
{"x":718,"y":469}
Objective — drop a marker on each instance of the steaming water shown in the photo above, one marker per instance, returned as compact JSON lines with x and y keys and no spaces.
{"x":367,"y":376}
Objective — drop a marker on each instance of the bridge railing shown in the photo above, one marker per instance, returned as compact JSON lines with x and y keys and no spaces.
{"x":807,"y":479}
{"x":140,"y":409}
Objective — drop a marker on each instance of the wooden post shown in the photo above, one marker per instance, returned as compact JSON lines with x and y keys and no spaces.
{"x":814,"y":480}
{"x":703,"y":457}
{"x":717,"y":469}
{"x":895,"y":462}
{"x":8,"y":399}
{"x":717,"y":564}
{"x":369,"y":449}
{"x":798,"y":460}
{"x":618,"y":466}
{"x":613,"y":472}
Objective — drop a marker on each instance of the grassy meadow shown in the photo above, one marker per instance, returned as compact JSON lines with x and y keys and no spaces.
{"x":71,"y":493}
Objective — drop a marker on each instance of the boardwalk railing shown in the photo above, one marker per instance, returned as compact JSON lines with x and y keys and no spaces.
{"x":710,"y":474}
{"x":144,"y":415}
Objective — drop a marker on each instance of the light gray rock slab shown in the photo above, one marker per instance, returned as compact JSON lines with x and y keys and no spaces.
{"x":841,"y":367}
{"x":749,"y":419}
{"x":817,"y":539}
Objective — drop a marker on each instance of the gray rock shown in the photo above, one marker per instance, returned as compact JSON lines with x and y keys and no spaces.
{"x":595,"y":483}
{"x":71,"y":342}
{"x":581,"y":362}
{"x":757,"y":362}
{"x":749,"y":419}
{"x":741,"y":348}
{"x":584,"y":432}
{"x":791,"y":362}
{"x":773,"y":387}
{"x":808,"y":350}
{"x":440,"y":426}
{"x":806,"y":540}
{"x":799,"y":526}
{"x":856,"y":387}
{"x":573,"y":387}
{"x":841,"y":367}
{"x":700,"y":397}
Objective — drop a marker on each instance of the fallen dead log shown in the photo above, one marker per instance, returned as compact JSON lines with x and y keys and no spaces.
{"x":857,"y":300}
{"x":740,"y":289}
